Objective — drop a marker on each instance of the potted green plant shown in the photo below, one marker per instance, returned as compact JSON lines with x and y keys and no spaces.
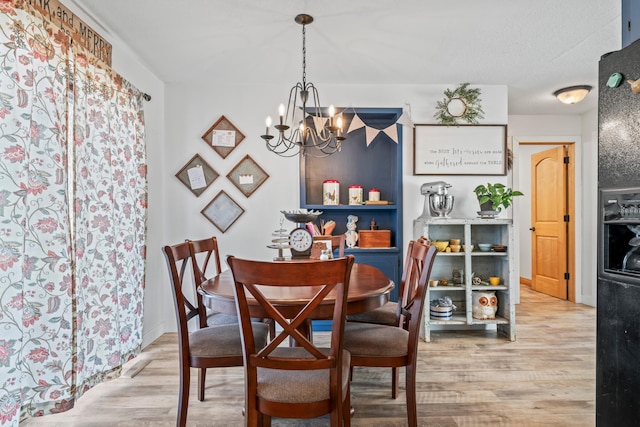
{"x":494,"y":197}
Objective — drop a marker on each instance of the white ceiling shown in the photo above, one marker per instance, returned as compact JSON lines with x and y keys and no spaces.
{"x":534,"y":47}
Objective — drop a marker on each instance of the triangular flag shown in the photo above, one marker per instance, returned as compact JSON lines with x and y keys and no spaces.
{"x":356,"y":123}
{"x":392,"y":132}
{"x":405,"y":120}
{"x":319,"y":123}
{"x":371,"y":134}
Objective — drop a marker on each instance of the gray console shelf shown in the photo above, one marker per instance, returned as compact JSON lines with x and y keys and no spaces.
{"x":484,"y":264}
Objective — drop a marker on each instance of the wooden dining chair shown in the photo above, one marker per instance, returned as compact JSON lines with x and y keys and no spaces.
{"x":337,"y":242}
{"x":390,"y":313}
{"x":376,"y":345}
{"x":302,"y":381}
{"x":205,"y":258}
{"x":208,"y":347}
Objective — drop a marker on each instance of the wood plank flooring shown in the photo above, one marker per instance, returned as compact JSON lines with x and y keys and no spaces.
{"x":465,"y":378}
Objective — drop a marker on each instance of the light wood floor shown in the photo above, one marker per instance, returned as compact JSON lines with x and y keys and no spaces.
{"x":470,"y":378}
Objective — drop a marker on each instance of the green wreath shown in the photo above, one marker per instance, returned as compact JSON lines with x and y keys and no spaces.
{"x":460,"y":104}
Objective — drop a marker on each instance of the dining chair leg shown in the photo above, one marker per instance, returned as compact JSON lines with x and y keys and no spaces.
{"x":346,"y":408}
{"x":412,"y":414}
{"x":395,"y":379}
{"x":183,"y":397}
{"x":253,"y":418}
{"x":202,"y":373}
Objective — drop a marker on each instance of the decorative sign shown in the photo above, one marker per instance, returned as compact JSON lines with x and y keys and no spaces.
{"x":76,"y":28}
{"x":460,"y":150}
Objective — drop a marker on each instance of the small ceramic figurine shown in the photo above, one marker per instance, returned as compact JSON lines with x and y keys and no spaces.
{"x":351,"y":235}
{"x":485,"y":305}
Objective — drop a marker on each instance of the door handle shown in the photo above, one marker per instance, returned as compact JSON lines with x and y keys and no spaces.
{"x":532,"y":229}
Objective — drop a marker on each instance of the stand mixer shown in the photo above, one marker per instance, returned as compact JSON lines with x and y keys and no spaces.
{"x":437,"y":201}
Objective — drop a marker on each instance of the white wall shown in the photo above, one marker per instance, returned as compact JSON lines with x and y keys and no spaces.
{"x":583,"y":131}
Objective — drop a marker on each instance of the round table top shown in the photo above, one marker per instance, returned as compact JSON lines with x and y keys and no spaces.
{"x":369,"y":288}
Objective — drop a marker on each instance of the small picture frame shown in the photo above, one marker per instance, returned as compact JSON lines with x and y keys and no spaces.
{"x":197,"y":175}
{"x":247,"y":175}
{"x":223,"y":137}
{"x":222,"y":211}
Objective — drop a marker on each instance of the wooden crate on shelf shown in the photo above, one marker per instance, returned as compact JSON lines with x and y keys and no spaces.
{"x":374,"y":238}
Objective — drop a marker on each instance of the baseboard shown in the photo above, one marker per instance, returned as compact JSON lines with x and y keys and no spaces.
{"x":149,"y":335}
{"x":525,"y":281}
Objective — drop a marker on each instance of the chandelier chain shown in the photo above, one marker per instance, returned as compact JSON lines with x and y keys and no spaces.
{"x":304,"y":56}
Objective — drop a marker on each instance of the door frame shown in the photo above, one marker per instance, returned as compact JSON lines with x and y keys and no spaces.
{"x":574,"y":290}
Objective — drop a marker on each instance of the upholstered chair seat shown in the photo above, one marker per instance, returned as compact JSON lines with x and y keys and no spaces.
{"x":385,"y":315}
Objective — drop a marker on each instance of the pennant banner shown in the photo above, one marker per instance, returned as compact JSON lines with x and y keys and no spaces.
{"x":405,"y":120}
{"x":392,"y":132}
{"x":319,"y":123}
{"x":355,"y":124}
{"x":371,"y":133}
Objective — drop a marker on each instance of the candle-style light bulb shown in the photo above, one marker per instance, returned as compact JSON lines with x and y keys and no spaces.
{"x":281,"y":113}
{"x":339,"y":123}
{"x":268,"y":123}
{"x":301,"y":131}
{"x":332,"y":111}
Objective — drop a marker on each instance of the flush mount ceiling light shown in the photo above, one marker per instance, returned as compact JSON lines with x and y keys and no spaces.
{"x":310,"y":131}
{"x":572,"y":94}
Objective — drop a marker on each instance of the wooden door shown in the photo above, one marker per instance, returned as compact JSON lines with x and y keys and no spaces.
{"x":549,"y":205}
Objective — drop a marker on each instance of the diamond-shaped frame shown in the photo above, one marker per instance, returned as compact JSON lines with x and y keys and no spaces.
{"x":223,"y":137}
{"x":222,"y":211}
{"x":210,"y":174}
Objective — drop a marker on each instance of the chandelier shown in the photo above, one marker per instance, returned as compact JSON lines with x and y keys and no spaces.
{"x":307,"y":130}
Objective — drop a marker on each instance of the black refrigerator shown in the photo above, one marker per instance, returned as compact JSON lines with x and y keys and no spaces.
{"x":618,"y":288}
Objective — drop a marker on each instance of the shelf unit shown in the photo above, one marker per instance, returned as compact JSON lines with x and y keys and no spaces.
{"x":484,"y":264}
{"x":378,"y":165}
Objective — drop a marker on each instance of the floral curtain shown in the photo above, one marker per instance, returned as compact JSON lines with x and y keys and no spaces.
{"x":110,"y":210}
{"x":72,"y":219}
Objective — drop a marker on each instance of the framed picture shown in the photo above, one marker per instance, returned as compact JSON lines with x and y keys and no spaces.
{"x":223,"y":137}
{"x":197,"y":175}
{"x":247,"y":175}
{"x":222,"y":211}
{"x":459,"y":150}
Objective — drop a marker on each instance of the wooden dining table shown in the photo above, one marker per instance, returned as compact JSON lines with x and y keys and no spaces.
{"x":369,"y":288}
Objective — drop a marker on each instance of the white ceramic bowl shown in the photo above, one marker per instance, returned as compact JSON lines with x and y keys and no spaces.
{"x":485,"y":247}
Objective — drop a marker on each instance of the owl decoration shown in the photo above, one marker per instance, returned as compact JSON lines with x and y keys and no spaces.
{"x":485,"y":305}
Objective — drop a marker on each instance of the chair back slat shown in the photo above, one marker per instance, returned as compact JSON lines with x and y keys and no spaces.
{"x":205,"y":263}
{"x":414,"y":304}
{"x":418,"y":256}
{"x":178,"y":260}
{"x":331,"y":278}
